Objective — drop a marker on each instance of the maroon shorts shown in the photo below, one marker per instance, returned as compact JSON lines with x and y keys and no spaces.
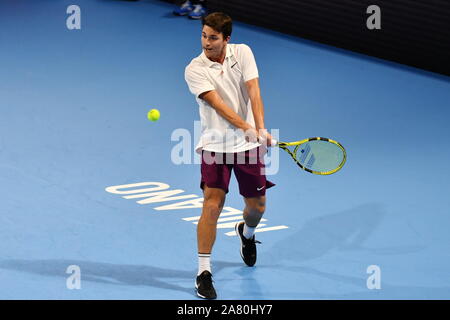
{"x":248,"y":166}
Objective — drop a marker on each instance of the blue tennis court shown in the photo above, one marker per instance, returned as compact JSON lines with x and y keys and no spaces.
{"x":87,"y":181}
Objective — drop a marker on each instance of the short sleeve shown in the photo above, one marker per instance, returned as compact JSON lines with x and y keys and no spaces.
{"x":197,"y":81}
{"x":248,"y":63}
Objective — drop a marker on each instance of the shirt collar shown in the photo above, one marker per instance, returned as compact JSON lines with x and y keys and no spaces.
{"x":229,"y":53}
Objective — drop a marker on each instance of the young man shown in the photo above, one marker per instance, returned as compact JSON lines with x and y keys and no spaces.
{"x":224,"y":80}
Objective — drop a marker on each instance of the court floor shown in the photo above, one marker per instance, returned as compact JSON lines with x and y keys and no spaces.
{"x":80,"y":164}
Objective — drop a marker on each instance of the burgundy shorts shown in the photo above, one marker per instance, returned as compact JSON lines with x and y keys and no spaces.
{"x":248,"y":167}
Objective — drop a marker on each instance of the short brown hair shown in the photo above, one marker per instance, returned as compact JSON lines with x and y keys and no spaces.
{"x":220,"y":22}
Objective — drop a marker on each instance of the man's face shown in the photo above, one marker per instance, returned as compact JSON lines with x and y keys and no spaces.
{"x":213,"y":42}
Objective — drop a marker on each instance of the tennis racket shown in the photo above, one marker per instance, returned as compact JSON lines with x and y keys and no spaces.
{"x":316,"y":155}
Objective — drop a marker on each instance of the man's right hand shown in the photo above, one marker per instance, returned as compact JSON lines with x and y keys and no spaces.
{"x":251,"y":135}
{"x":261,"y":136}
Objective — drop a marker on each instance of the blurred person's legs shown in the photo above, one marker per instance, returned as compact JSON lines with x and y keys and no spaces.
{"x":199,"y":10}
{"x":194,"y":9}
{"x":185,"y":8}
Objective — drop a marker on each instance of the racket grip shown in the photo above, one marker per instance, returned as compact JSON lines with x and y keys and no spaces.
{"x":273,"y":143}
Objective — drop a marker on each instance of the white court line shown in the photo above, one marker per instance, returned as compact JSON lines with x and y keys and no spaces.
{"x":231,"y":219}
{"x":233,"y":233}
{"x":226,"y":214}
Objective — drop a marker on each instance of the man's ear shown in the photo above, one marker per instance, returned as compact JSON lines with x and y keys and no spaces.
{"x":228,"y":39}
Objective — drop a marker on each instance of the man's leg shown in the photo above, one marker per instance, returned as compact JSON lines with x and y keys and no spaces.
{"x":214,"y":199}
{"x":252,"y":186}
{"x":253,"y":211}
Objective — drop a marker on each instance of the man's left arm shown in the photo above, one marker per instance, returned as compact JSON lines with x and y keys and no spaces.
{"x":254,"y":93}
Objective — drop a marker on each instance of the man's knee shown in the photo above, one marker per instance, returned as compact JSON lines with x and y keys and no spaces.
{"x":212,"y":205}
{"x":212,"y":208}
{"x":256,"y":206}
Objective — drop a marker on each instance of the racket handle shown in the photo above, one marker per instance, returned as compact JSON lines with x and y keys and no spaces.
{"x":273,"y":143}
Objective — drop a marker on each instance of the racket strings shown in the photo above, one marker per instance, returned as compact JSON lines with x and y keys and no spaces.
{"x":319,"y":156}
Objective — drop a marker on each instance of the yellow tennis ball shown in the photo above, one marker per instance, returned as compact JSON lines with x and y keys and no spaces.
{"x":153,"y":115}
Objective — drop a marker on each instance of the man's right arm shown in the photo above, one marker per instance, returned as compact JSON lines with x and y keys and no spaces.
{"x":201,"y":87}
{"x":216,"y":102}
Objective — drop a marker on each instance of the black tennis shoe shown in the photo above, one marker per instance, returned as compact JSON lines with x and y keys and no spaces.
{"x":204,"y":286}
{"x":248,"y":246}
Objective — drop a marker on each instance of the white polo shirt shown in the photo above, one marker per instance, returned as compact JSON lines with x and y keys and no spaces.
{"x":202,"y":74}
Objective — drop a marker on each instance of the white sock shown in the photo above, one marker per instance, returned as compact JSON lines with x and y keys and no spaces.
{"x":248,"y":231}
{"x":204,"y":262}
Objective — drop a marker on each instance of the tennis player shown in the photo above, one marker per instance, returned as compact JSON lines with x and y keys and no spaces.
{"x":224,"y":81}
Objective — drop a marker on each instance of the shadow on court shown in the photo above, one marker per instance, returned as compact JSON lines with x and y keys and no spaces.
{"x":387,"y":290}
{"x":105,"y":272}
{"x":115,"y":274}
{"x":345,"y":230}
